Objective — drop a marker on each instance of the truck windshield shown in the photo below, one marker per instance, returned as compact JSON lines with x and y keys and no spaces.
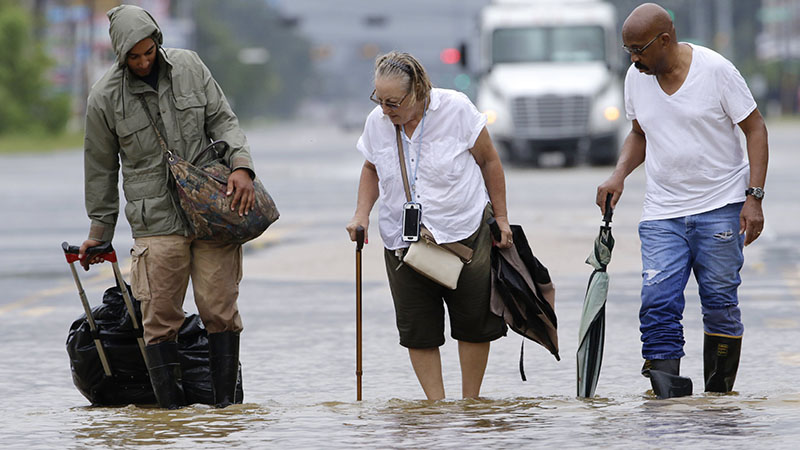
{"x":548,"y":44}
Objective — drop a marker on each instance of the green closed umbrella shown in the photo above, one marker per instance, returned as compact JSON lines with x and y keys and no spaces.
{"x":591,"y":334}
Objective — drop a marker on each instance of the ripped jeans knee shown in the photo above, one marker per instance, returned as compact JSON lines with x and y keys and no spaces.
{"x":661,"y":313}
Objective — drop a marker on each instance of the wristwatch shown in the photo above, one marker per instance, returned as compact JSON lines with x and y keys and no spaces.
{"x":756,"y":192}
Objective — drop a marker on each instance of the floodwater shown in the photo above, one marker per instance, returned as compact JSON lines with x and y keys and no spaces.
{"x":298,"y":360}
{"x":298,"y":347}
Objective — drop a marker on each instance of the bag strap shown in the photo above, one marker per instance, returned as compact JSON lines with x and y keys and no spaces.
{"x":163,"y":144}
{"x":402,"y":155}
{"x":456,"y":248}
{"x":464,"y":252}
{"x":155,"y":128}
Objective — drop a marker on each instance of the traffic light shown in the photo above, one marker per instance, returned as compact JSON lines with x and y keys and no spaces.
{"x":450,"y":56}
{"x":462,"y":82}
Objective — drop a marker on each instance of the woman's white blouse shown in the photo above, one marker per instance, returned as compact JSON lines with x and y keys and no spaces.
{"x":449,"y":183}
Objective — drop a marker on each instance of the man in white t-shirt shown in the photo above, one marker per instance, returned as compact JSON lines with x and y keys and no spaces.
{"x":703,"y":195}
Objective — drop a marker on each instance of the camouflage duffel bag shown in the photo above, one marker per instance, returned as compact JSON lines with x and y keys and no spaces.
{"x":202,"y":193}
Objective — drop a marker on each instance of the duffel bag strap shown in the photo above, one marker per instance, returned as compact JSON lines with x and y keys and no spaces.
{"x":155,"y":128}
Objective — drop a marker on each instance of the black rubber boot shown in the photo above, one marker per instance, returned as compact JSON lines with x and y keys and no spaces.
{"x":224,"y":360}
{"x":720,"y":362}
{"x":165,"y":374}
{"x":665,"y":379}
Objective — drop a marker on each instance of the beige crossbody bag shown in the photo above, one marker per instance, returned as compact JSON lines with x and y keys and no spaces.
{"x":441,"y":263}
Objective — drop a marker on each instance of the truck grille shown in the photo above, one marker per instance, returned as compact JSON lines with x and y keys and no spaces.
{"x":550,"y":116}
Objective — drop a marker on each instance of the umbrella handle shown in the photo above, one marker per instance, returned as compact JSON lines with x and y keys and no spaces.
{"x":609,"y":209}
{"x":495,"y":229}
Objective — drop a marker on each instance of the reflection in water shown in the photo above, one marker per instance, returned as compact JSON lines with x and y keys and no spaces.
{"x":484,"y":422}
{"x":619,"y":422}
{"x":698,"y":416}
{"x":133,"y":425}
{"x":550,"y":421}
{"x":477,"y":416}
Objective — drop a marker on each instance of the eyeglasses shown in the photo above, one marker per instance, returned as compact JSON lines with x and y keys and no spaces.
{"x":639,"y":51}
{"x":390,"y":105}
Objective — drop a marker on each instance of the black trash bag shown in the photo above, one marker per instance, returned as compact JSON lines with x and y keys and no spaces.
{"x":129,"y":382}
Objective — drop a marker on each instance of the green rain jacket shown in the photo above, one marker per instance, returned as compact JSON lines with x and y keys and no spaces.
{"x":190,"y":111}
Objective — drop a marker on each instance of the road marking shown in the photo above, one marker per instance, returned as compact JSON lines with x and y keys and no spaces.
{"x":268,"y":239}
{"x":781,"y":323}
{"x":37,"y":312}
{"x":277,"y":234}
{"x":763,"y":292}
{"x":759,"y":267}
{"x":104,"y":274}
{"x":792,"y":280}
{"x":789,"y":359}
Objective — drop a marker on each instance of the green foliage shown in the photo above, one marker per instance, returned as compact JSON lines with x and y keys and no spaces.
{"x":38,"y":142}
{"x":26,"y":103}
{"x":273,"y":88}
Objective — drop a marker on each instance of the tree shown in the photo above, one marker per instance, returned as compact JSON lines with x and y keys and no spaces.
{"x":27,"y":102}
{"x":273,"y":83}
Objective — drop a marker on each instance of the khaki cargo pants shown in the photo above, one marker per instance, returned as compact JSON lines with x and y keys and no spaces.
{"x":160,"y":270}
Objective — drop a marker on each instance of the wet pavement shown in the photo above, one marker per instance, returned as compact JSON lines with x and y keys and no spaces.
{"x":298,"y":348}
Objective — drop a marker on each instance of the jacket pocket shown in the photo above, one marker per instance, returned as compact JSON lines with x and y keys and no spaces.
{"x":134,"y":212}
{"x":191,"y":115}
{"x":144,"y":185}
{"x":153,"y":215}
{"x":136,"y":145}
{"x":140,"y":283}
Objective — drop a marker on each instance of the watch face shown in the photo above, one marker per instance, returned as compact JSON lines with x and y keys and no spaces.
{"x":756,"y":192}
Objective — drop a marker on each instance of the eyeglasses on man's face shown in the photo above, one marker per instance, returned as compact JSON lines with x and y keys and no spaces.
{"x":639,"y":51}
{"x":386,"y":103}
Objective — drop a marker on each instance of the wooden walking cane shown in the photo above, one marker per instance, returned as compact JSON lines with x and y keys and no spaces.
{"x":359,"y":246}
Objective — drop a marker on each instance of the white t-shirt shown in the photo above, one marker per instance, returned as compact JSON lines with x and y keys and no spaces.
{"x":695,"y":161}
{"x":449,"y":183}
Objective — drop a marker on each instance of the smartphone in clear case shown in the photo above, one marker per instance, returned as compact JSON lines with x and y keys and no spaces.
{"x":412,"y":217}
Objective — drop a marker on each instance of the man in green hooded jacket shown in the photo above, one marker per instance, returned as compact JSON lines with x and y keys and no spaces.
{"x":190,"y":110}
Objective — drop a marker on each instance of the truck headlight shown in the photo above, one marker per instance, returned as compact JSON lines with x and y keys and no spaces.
{"x":491,"y":116}
{"x":611,"y":113}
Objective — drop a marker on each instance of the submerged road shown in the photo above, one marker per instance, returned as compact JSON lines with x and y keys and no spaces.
{"x":297,"y":301}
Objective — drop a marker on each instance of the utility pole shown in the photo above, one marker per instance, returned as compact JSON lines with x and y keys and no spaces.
{"x":700,"y":23}
{"x":723,"y":39}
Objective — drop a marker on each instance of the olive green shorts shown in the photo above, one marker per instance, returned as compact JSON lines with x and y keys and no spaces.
{"x":419,"y":302}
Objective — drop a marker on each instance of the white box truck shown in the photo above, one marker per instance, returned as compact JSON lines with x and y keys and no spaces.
{"x":550,"y":80}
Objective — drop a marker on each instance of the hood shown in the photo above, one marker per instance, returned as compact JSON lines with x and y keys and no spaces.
{"x":129,"y":25}
{"x":549,"y":78}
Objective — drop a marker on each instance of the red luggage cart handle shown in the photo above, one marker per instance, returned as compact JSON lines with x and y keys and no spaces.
{"x":104,"y":251}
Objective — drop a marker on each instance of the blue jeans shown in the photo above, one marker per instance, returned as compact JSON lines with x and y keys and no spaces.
{"x":707,"y":244}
